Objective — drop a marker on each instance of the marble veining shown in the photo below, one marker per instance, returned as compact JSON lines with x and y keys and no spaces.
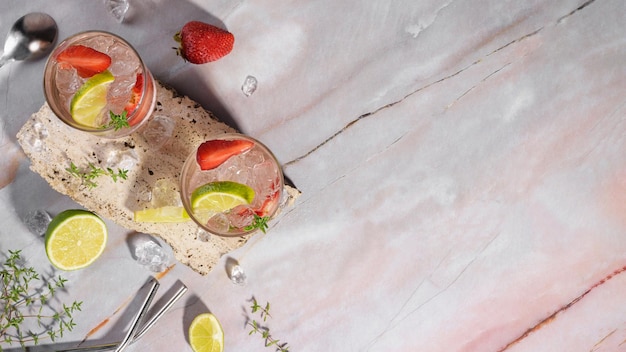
{"x":461,"y":166}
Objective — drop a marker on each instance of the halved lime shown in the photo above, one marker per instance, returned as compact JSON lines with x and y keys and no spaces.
{"x":206,"y":334}
{"x":87,"y":104}
{"x":220,"y":196}
{"x":162,"y":214}
{"x":75,"y":238}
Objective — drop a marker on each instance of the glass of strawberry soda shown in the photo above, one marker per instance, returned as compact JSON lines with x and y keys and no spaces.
{"x":96,"y":82}
{"x":231,"y":185}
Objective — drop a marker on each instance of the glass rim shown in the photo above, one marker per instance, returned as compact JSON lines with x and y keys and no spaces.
{"x":191,"y":159}
{"x":49,"y":85}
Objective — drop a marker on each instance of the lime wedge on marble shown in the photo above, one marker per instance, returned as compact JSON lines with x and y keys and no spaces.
{"x":75,"y":238}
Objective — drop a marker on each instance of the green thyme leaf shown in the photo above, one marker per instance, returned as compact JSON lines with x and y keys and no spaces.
{"x":258,"y":223}
{"x":94,"y":172}
{"x":264,"y":331}
{"x":117,"y":121}
{"x":26,"y":296}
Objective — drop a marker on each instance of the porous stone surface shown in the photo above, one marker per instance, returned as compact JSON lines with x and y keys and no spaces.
{"x":53,"y":147}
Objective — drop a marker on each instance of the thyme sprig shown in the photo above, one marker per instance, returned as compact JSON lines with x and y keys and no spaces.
{"x":94,"y":172}
{"x":264,"y":331}
{"x":117,"y":121}
{"x":259,"y":222}
{"x":25,"y":297}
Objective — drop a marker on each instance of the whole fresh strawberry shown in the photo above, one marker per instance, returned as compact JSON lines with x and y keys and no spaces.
{"x":201,"y":42}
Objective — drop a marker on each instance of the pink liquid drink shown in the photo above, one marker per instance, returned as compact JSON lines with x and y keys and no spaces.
{"x":97,"y":83}
{"x":248,"y":171}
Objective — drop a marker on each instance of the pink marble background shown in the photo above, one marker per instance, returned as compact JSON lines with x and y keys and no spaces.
{"x":462,"y":166}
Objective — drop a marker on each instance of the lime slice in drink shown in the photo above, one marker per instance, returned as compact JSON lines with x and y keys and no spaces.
{"x":206,"y":334}
{"x":220,"y":196}
{"x":89,"y":100}
{"x":75,"y":238}
{"x":162,"y":214}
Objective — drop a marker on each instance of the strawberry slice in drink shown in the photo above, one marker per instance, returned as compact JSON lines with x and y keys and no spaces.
{"x":135,"y":97}
{"x":268,"y":203}
{"x":214,"y":153}
{"x":87,"y":61}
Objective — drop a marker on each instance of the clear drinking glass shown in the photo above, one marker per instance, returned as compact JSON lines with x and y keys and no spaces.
{"x":132,"y":90}
{"x":256,"y":168}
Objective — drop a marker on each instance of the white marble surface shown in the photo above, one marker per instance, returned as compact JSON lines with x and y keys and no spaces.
{"x":462,"y":166}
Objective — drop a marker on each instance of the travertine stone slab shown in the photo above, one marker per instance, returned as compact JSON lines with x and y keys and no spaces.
{"x":52,"y":147}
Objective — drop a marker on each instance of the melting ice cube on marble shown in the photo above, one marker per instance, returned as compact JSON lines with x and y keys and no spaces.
{"x":235,"y":272}
{"x":249,"y":85}
{"x":150,"y":254}
{"x":237,"y":275}
{"x":117,"y":8}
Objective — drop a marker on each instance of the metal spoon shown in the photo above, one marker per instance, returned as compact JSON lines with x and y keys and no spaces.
{"x":31,"y":36}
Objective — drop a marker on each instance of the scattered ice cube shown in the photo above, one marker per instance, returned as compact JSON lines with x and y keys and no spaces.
{"x":158,"y":131}
{"x":37,"y":221}
{"x":117,"y":8}
{"x":151,"y":255}
{"x":203,"y":235}
{"x":164,"y":193}
{"x":237,"y":275}
{"x":37,"y":136}
{"x":36,"y":144}
{"x":235,"y":272}
{"x":143,"y":193}
{"x":249,"y":86}
{"x":117,"y":156}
